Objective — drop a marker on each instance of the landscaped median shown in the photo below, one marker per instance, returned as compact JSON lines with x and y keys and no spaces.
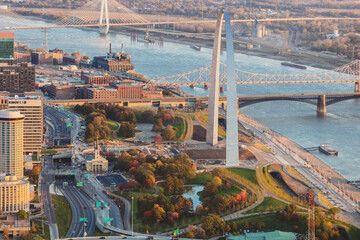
{"x":63,"y":214}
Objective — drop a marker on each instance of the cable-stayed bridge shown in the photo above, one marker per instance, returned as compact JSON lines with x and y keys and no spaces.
{"x":110,"y":13}
{"x":344,"y":74}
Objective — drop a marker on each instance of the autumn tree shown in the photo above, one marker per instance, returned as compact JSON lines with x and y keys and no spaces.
{"x":158,"y":125}
{"x":169,"y":133}
{"x":213,"y":225}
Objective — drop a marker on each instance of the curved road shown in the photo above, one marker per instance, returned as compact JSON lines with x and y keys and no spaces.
{"x":81,"y":207}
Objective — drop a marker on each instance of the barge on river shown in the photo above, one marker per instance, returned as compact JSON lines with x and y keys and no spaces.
{"x":293,"y":65}
{"x":328,"y":150}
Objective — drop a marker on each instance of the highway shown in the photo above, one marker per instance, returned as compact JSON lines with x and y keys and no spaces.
{"x":56,"y":122}
{"x":92,"y":187}
{"x":81,"y":207}
{"x":45,"y":180}
{"x":286,"y":157}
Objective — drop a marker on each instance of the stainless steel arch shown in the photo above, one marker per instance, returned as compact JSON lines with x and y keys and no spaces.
{"x":232,"y":139}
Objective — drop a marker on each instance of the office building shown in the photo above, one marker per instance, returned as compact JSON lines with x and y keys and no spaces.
{"x":17,"y":77}
{"x":14,"y":194}
{"x":32,"y":109}
{"x":7,"y":45}
{"x":11,"y":143}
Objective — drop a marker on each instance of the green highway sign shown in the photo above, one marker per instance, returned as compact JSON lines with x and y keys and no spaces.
{"x":108,"y":219}
{"x":86,"y":175}
{"x":79,"y":184}
{"x":83,"y":219}
{"x":72,"y":173}
{"x":106,"y":203}
{"x":98,"y":204}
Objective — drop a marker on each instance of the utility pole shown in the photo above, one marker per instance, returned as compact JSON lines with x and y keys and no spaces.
{"x":132,"y":216}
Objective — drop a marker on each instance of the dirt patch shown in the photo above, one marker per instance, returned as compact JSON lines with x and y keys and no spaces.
{"x":199,"y":134}
{"x":207,"y":153}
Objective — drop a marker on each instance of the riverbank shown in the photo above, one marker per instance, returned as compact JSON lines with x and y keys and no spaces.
{"x":296,"y":151}
{"x":308,"y":58}
{"x":304,"y":57}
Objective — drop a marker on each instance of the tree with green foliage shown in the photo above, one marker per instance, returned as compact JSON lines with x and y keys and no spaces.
{"x":210,"y":190}
{"x":126,"y":130}
{"x":22,"y":215}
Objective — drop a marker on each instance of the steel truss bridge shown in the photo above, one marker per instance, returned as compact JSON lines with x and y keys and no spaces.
{"x":316,"y":99}
{"x":345,"y":74}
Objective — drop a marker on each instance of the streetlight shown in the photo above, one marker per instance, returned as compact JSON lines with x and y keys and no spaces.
{"x":132,"y":216}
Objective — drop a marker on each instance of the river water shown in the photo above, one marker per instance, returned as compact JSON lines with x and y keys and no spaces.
{"x":298,"y":121}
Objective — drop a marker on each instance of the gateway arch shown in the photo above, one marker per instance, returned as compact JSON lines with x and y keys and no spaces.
{"x":232,"y":138}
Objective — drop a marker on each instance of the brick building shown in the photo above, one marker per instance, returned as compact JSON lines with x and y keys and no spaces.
{"x":22,"y":57}
{"x":70,"y":60}
{"x":40,"y":58}
{"x":94,"y":78}
{"x":17,"y":77}
{"x":119,"y":91}
{"x":62,"y":91}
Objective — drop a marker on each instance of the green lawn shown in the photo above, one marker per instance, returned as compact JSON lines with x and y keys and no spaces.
{"x":63,"y":213}
{"x":269,"y":204}
{"x":233,"y":189}
{"x":271,"y":223}
{"x":201,"y":178}
{"x":179,"y":124}
{"x":112,"y":125}
{"x":245,"y":173}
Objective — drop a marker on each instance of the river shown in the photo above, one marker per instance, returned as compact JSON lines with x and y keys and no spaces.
{"x":298,"y":121}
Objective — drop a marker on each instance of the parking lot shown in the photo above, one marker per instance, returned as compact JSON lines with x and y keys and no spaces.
{"x":112,"y":180}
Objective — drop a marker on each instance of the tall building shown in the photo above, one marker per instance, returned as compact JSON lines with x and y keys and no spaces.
{"x":17,"y":77}
{"x":11,"y":143}
{"x":14,"y":188}
{"x":32,"y":109}
{"x":7,"y":45}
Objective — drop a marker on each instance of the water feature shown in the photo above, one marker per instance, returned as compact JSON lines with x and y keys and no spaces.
{"x":298,"y":121}
{"x":191,"y":191}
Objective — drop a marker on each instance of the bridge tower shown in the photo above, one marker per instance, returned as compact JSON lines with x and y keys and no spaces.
{"x":232,"y":138}
{"x":104,"y":8}
{"x":357,"y":87}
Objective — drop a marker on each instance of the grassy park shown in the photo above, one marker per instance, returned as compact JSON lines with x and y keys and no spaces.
{"x":63,"y":213}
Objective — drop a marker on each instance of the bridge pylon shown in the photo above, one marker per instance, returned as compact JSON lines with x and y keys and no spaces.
{"x":104,"y":9}
{"x":357,"y":87}
{"x":321,"y":105}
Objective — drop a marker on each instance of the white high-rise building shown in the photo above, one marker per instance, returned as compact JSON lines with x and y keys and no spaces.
{"x":11,"y":143}
{"x":14,"y":188}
